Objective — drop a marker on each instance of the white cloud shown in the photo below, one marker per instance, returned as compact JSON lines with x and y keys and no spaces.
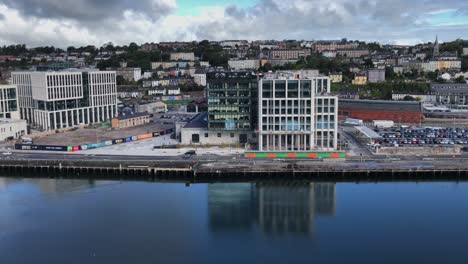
{"x":396,"y":21}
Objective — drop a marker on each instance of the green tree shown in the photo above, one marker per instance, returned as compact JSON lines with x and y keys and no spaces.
{"x":460,"y":79}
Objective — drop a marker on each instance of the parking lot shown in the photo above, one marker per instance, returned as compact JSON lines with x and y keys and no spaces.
{"x":173,"y":117}
{"x":421,"y":136}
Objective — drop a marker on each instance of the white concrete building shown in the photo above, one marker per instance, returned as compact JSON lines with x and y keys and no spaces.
{"x":9,"y":102}
{"x":424,"y":98}
{"x":157,"y":91}
{"x":244,"y":64}
{"x":440,"y":65}
{"x":54,"y":100}
{"x":199,"y":78}
{"x":173,"y":91}
{"x":297,"y":115}
{"x":129,"y":74}
{"x":12,"y":128}
{"x":234,"y":43}
{"x":10,"y":124}
{"x":465,"y":51}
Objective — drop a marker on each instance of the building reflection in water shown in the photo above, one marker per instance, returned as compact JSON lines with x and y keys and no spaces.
{"x":278,"y":208}
{"x":53,"y":186}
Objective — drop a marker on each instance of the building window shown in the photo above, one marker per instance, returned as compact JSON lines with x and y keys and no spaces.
{"x":232,"y":135}
{"x":219,"y":135}
{"x":195,"y":138}
{"x":206,"y":135}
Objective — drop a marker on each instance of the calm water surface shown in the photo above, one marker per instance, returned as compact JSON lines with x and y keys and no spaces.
{"x":76,"y":221}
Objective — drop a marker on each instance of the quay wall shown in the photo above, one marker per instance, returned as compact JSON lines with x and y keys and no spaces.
{"x":191,"y":173}
{"x":410,"y":151}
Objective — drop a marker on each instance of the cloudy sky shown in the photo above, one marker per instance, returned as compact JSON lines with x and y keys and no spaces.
{"x":82,"y":22}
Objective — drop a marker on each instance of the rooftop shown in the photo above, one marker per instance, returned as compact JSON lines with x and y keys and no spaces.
{"x":124,"y":117}
{"x":450,"y":87}
{"x":11,"y":121}
{"x":199,"y":121}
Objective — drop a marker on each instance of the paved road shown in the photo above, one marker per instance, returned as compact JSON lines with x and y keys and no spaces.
{"x":355,"y":146}
{"x":17,"y":155}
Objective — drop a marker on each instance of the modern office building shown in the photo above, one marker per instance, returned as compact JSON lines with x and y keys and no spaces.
{"x":232,"y":111}
{"x":297,"y":115}
{"x":54,"y":100}
{"x":9,"y":102}
{"x":231,"y":100}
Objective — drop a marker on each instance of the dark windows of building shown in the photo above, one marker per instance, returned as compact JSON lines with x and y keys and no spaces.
{"x":280,"y":89}
{"x":11,"y":93}
{"x":195,"y":138}
{"x":267,"y":89}
{"x":232,"y":135}
{"x":306,"y":88}
{"x":12,"y":106}
{"x":243,"y":138}
{"x":293,"y":89}
{"x":219,"y":135}
{"x":206,"y":135}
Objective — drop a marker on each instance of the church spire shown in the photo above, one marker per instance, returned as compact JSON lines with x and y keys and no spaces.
{"x":435,"y":52}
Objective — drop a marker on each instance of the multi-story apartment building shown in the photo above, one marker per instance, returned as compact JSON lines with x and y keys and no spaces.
{"x":174,"y":45}
{"x":234,"y":43}
{"x":182,"y":56}
{"x":176,"y":64}
{"x":375,"y":75}
{"x":352,"y":53}
{"x":451,"y":93}
{"x":54,"y":100}
{"x":199,"y":78}
{"x":320,"y":47}
{"x":297,"y":115}
{"x":440,"y":65}
{"x":336,"y":77}
{"x":288,"y":54}
{"x":129,"y":74}
{"x":244,"y":64}
{"x":360,"y":79}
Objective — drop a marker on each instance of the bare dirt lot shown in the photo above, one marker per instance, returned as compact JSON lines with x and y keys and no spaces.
{"x":94,"y":135}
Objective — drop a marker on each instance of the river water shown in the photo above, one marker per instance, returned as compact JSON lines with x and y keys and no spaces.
{"x":80,"y":221}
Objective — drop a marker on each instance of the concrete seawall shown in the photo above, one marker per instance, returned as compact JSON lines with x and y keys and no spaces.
{"x":194,"y":173}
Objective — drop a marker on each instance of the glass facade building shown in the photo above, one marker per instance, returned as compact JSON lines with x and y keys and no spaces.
{"x":297,"y":115}
{"x":232,"y":101}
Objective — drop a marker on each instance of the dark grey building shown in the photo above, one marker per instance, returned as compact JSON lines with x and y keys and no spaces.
{"x":451,"y":93}
{"x":232,"y":99}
